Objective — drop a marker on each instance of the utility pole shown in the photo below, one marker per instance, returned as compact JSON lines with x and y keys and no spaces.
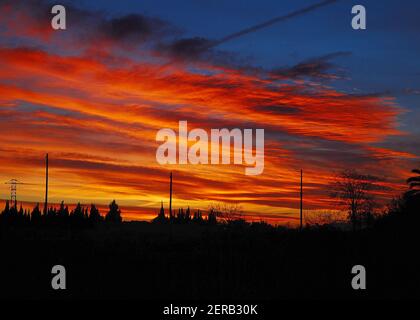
{"x":301,"y":198}
{"x":46,"y":185}
{"x":170,"y":196}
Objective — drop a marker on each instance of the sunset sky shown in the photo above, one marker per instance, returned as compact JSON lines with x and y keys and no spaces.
{"x":95,"y":95}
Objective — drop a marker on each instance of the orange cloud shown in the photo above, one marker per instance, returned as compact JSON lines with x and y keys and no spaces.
{"x":98,"y":117}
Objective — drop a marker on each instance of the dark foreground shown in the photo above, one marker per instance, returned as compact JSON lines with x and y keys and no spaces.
{"x":152,"y":261}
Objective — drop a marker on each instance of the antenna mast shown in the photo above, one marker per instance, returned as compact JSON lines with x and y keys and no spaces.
{"x":301,"y":198}
{"x":46,"y":185}
{"x":170,"y":196}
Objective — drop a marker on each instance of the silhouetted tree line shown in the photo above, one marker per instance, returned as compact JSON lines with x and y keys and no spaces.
{"x":353,"y":190}
{"x":182,"y":216}
{"x":79,"y":216}
{"x":215,"y":214}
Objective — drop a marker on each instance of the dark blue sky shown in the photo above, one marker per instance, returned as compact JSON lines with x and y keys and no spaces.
{"x":384,"y":58}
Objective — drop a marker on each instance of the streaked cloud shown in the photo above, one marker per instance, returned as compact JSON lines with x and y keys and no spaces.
{"x":97,"y":115}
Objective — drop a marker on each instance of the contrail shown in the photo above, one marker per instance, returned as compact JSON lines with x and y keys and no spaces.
{"x":270,"y":22}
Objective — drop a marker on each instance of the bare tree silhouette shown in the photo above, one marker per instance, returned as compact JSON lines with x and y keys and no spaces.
{"x":354,"y":192}
{"x":226,"y":212}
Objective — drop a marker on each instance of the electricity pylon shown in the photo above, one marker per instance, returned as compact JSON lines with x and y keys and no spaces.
{"x":13,"y":189}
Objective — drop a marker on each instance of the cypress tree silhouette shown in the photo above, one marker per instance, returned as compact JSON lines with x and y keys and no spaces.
{"x":114,"y":214}
{"x":26,"y":217}
{"x":197,"y":216}
{"x":13,"y":215}
{"x":19,"y":217}
{"x":94,"y":215}
{"x":180,"y":216}
{"x":212,"y":217}
{"x":5,"y":214}
{"x":187,"y":215}
{"x":77,"y":215}
{"x":36,"y":215}
{"x":63,"y":213}
{"x":6,"y":208}
{"x":161,"y":216}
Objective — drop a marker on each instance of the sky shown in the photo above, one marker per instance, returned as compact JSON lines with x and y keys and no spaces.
{"x":94,"y":96}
